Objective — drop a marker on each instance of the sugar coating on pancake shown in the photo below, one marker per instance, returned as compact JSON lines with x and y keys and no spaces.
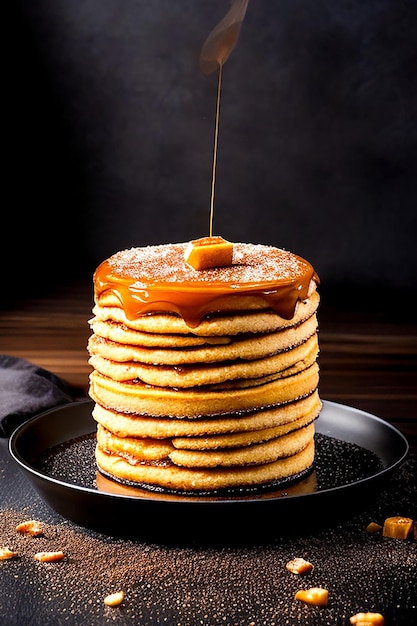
{"x":157,"y":278}
{"x":204,"y":380}
{"x":252,"y":264}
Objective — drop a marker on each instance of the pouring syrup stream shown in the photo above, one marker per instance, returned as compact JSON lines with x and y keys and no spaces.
{"x":215,"y":52}
{"x":216,"y":140}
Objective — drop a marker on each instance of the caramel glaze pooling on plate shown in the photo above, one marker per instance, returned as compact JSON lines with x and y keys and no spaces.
{"x":157,"y":279}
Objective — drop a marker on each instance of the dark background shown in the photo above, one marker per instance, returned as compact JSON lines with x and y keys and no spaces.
{"x":109,"y":130}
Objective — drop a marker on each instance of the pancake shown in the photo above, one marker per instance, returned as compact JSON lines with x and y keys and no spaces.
{"x":202,"y":373}
{"x":202,"y":480}
{"x":138,"y":397}
{"x":243,"y":346}
{"x":160,"y":327}
{"x":271,"y":445}
{"x":204,"y":379}
{"x":241,"y":439}
{"x":139,"y":425}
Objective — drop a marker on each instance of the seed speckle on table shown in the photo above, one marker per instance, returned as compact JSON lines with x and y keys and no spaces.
{"x":210,"y":585}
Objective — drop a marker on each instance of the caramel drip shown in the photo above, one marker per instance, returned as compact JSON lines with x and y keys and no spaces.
{"x":192,"y":299}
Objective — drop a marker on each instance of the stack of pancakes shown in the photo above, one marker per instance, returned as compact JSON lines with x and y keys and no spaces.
{"x":204,"y":380}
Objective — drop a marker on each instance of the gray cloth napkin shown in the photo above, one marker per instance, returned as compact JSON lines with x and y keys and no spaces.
{"x":26,"y":390}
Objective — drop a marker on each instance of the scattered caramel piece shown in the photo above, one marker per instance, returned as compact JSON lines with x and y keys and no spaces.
{"x":31,"y":527}
{"x":373,"y":527}
{"x":207,"y":252}
{"x":114,"y":599}
{"x":316,"y":596}
{"x":299,"y":566}
{"x":367,"y":619}
{"x":6,"y":553}
{"x":397,"y":527}
{"x":49,"y":557}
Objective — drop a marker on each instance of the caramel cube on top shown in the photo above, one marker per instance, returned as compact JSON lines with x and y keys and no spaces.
{"x":208,"y":252}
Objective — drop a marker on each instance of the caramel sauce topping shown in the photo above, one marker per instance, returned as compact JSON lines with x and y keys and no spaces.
{"x":157,"y":279}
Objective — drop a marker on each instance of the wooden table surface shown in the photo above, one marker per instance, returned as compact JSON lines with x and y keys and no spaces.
{"x":368,"y":359}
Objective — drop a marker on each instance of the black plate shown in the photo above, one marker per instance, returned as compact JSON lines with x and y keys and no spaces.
{"x":355,"y":454}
